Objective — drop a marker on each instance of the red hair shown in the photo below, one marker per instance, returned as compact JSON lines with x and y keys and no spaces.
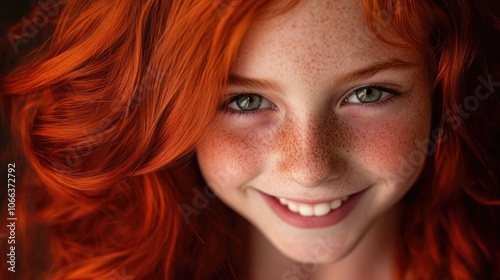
{"x":449,"y":229}
{"x":108,"y":112}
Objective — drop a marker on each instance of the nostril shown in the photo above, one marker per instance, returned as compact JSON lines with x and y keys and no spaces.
{"x":312,"y":175}
{"x":311,"y":184}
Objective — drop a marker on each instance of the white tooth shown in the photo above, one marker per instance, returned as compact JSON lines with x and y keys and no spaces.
{"x":336,"y":204}
{"x":345,"y":198}
{"x":321,"y":209}
{"x":306,"y":210}
{"x":283,"y":201}
{"x":292,"y":206}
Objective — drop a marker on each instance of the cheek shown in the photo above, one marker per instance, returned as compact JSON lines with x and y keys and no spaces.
{"x":391,"y":148}
{"x":228,"y":160}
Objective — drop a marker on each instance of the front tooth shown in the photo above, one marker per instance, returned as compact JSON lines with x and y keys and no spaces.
{"x":321,"y":209}
{"x":345,"y":198}
{"x":336,"y":204}
{"x":306,"y":210}
{"x":292,"y":206}
{"x":283,"y":201}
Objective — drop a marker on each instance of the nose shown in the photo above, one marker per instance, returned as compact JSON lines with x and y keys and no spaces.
{"x":309,"y":152}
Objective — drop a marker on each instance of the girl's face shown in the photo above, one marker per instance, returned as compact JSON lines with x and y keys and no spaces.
{"x":319,"y":110}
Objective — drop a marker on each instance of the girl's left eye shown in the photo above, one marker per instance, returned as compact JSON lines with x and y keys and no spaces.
{"x":369,"y":95}
{"x":249,"y":102}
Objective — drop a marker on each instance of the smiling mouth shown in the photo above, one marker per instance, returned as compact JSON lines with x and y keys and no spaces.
{"x":304,"y":213}
{"x":308,"y":210}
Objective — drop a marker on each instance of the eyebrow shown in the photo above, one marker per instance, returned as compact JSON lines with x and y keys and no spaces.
{"x":371,"y":70}
{"x":236,"y":80}
{"x":362,"y":73}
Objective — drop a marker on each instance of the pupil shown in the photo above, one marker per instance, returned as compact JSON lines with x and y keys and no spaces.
{"x":368,"y":95}
{"x":249,"y":103}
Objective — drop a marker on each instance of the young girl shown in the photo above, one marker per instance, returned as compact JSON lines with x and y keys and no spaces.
{"x":357,"y":139}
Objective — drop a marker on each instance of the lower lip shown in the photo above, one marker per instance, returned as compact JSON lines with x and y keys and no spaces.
{"x":330,"y":219}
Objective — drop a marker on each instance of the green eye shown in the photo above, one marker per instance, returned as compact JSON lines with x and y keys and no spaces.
{"x":249,"y":102}
{"x":367,"y":95}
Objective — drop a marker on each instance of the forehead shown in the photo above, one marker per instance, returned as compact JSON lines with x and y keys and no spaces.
{"x":316,"y":37}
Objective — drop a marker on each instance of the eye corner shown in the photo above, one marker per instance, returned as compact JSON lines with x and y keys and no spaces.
{"x":345,"y":100}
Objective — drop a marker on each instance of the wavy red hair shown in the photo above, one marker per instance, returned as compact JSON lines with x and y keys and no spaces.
{"x":446,"y":230}
{"x":108,"y":111}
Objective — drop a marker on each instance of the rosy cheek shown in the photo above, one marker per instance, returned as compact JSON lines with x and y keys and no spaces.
{"x":389,"y":148}
{"x":229,"y":159}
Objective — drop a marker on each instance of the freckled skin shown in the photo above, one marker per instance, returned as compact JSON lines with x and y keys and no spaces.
{"x":313,"y":145}
{"x":309,"y":153}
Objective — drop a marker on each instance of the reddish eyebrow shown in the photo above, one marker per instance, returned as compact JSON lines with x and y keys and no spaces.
{"x":365,"y":72}
{"x":373,"y":69}
{"x":236,"y":80}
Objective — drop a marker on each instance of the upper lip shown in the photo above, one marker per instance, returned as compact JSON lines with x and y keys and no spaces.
{"x":312,"y":200}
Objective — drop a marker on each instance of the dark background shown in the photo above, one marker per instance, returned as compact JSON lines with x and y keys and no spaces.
{"x":11,"y":11}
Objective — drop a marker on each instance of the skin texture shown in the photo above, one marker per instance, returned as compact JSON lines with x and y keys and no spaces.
{"x":311,"y":144}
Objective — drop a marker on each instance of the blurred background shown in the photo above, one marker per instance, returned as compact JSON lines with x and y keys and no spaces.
{"x":11,"y":11}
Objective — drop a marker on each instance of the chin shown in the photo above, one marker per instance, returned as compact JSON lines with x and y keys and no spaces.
{"x":322,"y":249}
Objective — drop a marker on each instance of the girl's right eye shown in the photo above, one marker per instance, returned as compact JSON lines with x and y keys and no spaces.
{"x":249,"y":103}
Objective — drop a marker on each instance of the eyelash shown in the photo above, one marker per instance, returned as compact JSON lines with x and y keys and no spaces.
{"x":393,"y":94}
